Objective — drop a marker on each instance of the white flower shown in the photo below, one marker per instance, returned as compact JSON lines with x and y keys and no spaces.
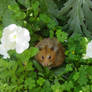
{"x":3,"y":52}
{"x":88,"y":51}
{"x":15,"y":37}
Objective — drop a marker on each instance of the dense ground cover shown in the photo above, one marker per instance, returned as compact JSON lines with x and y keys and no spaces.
{"x":67,"y":20}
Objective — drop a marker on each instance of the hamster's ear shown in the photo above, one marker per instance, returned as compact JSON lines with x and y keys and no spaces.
{"x":54,"y":49}
{"x":39,"y":47}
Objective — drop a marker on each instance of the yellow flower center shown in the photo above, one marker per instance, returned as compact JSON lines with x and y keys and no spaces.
{"x":14,"y":36}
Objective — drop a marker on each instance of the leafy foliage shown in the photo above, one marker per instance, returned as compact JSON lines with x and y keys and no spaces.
{"x":21,"y":73}
{"x":79,"y":14}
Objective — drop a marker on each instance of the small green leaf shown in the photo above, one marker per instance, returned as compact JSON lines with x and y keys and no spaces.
{"x":61,"y":36}
{"x":30,"y":83}
{"x":83,"y":76}
{"x":76,"y":76}
{"x":45,"y":18}
{"x":51,"y":33}
{"x":25,"y":3}
{"x":35,"y":7}
{"x":69,"y":67}
{"x":40,"y":81}
{"x":37,"y":66}
{"x":33,"y":51}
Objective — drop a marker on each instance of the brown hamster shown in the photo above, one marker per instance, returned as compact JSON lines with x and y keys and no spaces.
{"x":51,"y":53}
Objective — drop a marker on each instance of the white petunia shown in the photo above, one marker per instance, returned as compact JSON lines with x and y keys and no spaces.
{"x":3,"y":52}
{"x":15,"y":38}
{"x":88,"y":51}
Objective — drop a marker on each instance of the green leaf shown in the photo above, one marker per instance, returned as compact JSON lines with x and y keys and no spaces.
{"x":76,"y":76}
{"x":4,"y":5}
{"x":57,"y":87}
{"x":5,"y":13}
{"x":17,"y":14}
{"x":35,"y":7}
{"x":51,"y":33}
{"x":51,"y":22}
{"x":69,"y":67}
{"x":41,"y":81}
{"x":1,"y":29}
{"x":51,"y":7}
{"x":37,"y":66}
{"x":30,"y":83}
{"x":83,"y":76}
{"x":68,"y":85}
{"x":33,"y":51}
{"x":61,"y":36}
{"x":7,"y":19}
{"x":25,"y":3}
{"x":45,"y":18}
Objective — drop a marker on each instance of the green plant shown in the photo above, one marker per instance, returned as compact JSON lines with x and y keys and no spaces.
{"x":79,"y":16}
{"x":21,"y":73}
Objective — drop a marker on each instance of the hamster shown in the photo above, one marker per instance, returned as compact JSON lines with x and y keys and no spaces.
{"x":51,"y":53}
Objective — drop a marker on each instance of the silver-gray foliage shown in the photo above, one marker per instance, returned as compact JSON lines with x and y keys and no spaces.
{"x":80,"y":16}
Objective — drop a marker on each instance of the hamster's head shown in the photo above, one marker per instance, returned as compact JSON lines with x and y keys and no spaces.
{"x":46,"y":56}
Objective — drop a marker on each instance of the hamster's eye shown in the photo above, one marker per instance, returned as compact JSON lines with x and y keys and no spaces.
{"x":42,"y":57}
{"x":49,"y":57}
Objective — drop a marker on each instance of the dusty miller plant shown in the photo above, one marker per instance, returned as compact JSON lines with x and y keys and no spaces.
{"x":79,"y":13}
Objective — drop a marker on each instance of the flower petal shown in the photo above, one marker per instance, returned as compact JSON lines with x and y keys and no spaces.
{"x":3,"y":52}
{"x":20,"y":47}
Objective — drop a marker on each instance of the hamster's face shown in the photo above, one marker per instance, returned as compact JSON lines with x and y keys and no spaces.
{"x":46,"y":56}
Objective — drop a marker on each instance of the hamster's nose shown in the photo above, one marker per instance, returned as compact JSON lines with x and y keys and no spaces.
{"x":45,"y":64}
